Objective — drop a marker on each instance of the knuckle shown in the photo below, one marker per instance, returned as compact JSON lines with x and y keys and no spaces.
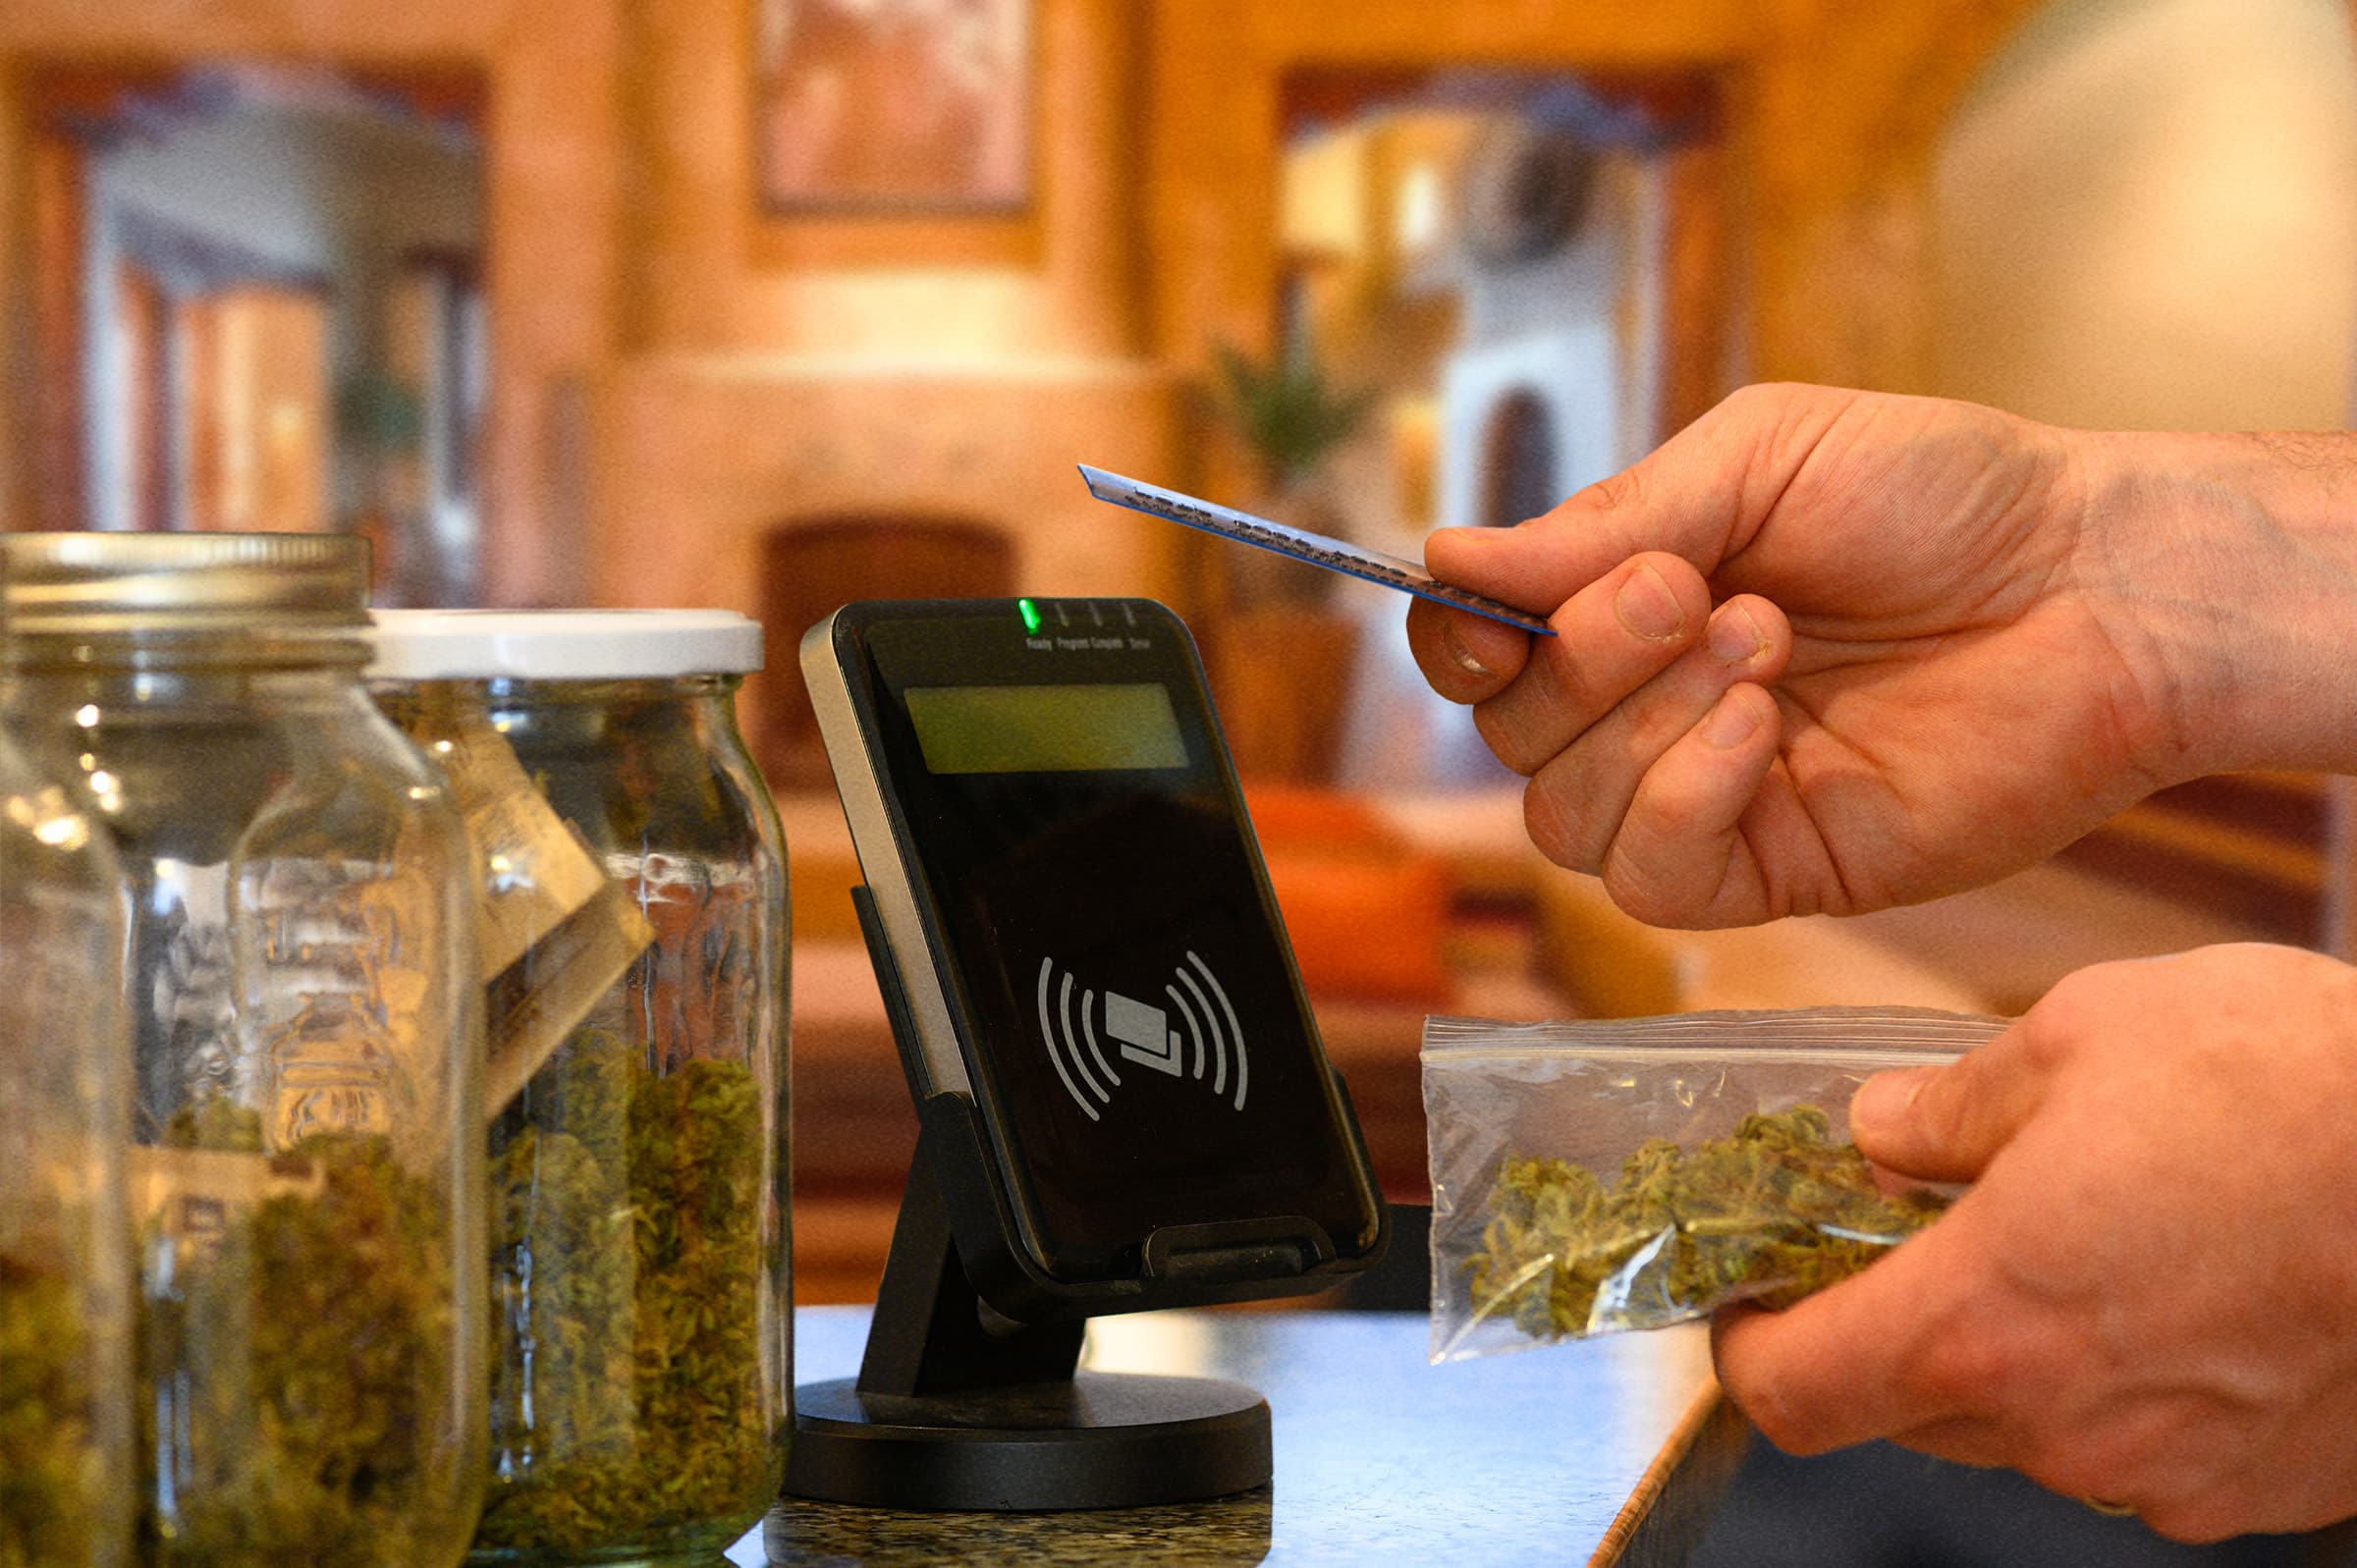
{"x":1775,"y":1412}
{"x":1759,"y":403}
{"x":1751,"y":396}
{"x":2048,"y":1034}
{"x":1670,"y":710}
{"x":1495,"y":724}
{"x":1964,"y":1365}
{"x":1957,"y":1111}
{"x":1761,"y":1395}
{"x":1652,"y":899}
{"x":1623,"y":489}
{"x":1557,"y":829}
{"x":1944,"y":1115}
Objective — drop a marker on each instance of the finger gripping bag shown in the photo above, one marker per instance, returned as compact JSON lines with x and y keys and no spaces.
{"x":1593,"y":1176}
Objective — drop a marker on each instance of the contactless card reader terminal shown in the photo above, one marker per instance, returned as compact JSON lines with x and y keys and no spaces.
{"x":1123,"y":1098}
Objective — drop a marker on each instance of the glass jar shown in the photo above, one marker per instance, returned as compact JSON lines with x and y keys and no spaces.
{"x":632,"y":912}
{"x":65,"y":1310}
{"x":306,"y":1169}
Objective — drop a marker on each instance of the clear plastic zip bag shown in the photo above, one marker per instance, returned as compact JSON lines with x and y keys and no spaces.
{"x":1594,"y":1176}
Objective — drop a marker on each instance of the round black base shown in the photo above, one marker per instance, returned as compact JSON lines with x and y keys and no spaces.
{"x":1100,"y":1440}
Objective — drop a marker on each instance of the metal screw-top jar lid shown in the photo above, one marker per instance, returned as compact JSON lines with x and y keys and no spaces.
{"x":97,"y":584}
{"x":561,"y":644}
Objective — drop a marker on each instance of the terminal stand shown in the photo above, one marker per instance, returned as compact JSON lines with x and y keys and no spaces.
{"x":957,"y":1407}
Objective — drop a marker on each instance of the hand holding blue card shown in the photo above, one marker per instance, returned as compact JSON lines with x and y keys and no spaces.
{"x":1334,"y":555}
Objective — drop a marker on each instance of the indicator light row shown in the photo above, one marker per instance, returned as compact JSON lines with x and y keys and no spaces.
{"x":1095,"y":615}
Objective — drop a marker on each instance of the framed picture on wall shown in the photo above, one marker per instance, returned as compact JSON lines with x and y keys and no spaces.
{"x":893,"y":106}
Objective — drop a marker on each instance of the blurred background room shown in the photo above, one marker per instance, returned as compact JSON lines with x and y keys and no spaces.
{"x":767,"y":304}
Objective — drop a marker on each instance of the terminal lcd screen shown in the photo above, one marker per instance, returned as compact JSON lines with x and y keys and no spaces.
{"x":1056,"y":728}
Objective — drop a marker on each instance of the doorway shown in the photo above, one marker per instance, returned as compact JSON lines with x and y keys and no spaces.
{"x":259,"y":306}
{"x":1523,"y":269}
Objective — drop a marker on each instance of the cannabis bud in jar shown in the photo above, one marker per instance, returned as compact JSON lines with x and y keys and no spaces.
{"x":627,"y":1356}
{"x":1768,"y":1215}
{"x":48,"y":1459}
{"x":329,"y":1255}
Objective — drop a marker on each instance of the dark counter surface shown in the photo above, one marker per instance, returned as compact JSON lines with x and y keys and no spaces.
{"x":1512,"y":1460}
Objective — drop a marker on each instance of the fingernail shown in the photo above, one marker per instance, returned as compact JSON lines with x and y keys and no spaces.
{"x":1733,"y":635}
{"x":1462,"y":653}
{"x":1646,"y":607}
{"x":1883,"y":1101}
{"x":1734,"y":718}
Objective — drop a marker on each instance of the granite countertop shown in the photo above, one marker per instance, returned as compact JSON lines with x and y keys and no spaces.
{"x":1380,"y":1457}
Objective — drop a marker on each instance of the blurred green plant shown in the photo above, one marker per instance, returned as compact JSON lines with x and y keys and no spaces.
{"x":380,"y":413}
{"x":1287,"y":410}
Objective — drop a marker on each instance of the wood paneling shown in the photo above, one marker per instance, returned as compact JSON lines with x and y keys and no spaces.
{"x":58,"y":198}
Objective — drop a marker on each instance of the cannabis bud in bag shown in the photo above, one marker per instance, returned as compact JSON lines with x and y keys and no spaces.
{"x":1770,"y":1214}
{"x":1590,"y":1177}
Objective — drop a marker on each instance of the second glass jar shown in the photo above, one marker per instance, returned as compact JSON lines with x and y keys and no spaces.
{"x":631,"y":927}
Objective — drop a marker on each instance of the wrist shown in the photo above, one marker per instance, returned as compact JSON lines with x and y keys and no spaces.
{"x":2224,"y":569}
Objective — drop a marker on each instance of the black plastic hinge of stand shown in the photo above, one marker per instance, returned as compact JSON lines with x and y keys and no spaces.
{"x":932,"y":1333}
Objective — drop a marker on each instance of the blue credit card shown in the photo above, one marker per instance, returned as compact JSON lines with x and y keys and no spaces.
{"x":1335,"y":555}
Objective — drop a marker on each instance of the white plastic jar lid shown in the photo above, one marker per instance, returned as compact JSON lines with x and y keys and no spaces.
{"x":561,"y":644}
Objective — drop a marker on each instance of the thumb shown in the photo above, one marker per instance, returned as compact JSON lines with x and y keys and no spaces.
{"x":1946,"y":1123}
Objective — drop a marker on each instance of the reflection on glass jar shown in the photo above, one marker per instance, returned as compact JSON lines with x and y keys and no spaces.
{"x":65,"y":1312}
{"x":306,"y":1180}
{"x":632,"y":925}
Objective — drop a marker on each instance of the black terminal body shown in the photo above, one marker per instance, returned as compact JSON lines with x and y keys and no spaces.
{"x":1099,"y":1012}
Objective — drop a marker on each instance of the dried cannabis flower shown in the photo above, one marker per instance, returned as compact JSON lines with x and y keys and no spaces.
{"x":627,"y":1404}
{"x":1770,"y":1214}
{"x":46,"y":1456}
{"x":292,"y":1363}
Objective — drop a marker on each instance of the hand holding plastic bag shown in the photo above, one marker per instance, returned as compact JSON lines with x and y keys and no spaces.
{"x":2145,"y":1296}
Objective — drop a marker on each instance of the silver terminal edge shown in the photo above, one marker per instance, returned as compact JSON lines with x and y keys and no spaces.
{"x":882,"y":860}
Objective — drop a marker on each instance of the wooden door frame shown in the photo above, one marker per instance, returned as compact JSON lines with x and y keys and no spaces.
{"x":556,"y":140}
{"x":64,"y":104}
{"x":147,"y":327}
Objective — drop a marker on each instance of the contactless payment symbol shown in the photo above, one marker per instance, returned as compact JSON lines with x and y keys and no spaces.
{"x":1210,"y":1051}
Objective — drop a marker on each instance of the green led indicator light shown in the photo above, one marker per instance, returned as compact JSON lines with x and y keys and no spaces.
{"x":1030,"y":615}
